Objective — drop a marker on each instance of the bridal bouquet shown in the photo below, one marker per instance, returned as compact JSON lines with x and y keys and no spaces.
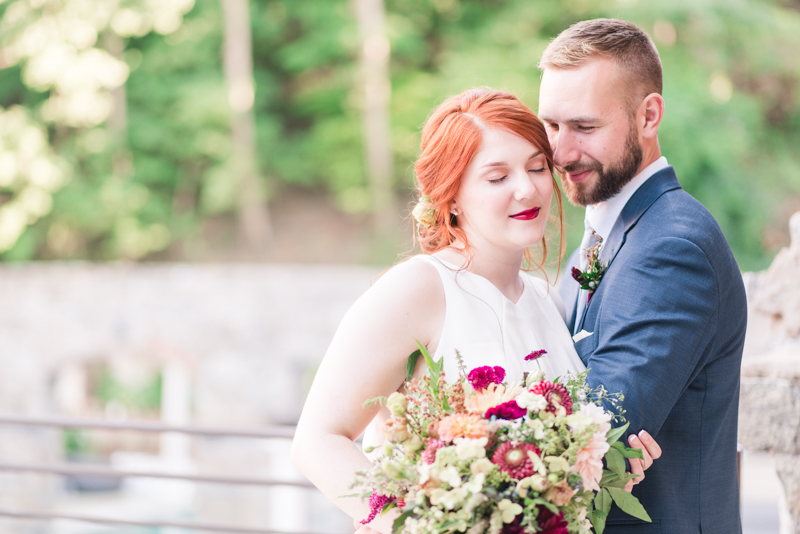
{"x":485,"y":456}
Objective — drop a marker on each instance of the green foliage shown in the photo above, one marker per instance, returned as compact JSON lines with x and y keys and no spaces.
{"x":143,"y":398}
{"x":731,"y":126}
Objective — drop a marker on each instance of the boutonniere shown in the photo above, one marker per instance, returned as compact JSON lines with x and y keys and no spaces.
{"x":590,"y":278}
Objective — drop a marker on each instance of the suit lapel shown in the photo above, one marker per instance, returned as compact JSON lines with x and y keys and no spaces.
{"x":655,"y":186}
{"x":569,"y":290}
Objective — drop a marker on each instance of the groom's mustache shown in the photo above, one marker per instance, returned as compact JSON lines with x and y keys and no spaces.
{"x":577,"y":167}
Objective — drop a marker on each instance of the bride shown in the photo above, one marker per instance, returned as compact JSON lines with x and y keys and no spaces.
{"x":486,"y":185}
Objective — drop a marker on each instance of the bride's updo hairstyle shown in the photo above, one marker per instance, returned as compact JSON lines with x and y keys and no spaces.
{"x":451,"y":137}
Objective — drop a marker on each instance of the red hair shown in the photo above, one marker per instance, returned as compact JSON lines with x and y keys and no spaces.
{"x":451,"y":137}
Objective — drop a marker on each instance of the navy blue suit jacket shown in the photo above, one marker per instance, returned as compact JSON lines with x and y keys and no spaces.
{"x":668,"y":321}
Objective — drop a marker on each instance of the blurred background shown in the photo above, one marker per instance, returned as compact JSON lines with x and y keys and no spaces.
{"x":236,"y":173}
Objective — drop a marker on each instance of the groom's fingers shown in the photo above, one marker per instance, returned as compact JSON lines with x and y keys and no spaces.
{"x":647,"y":452}
{"x":650,"y":445}
{"x":636,"y":469}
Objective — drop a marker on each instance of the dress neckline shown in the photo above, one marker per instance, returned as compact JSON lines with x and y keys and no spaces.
{"x":457,"y":269}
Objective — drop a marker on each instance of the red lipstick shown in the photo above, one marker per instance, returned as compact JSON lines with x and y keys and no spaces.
{"x":526,"y":215}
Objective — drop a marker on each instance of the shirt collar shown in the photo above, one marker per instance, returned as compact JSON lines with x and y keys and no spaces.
{"x":602,"y":216}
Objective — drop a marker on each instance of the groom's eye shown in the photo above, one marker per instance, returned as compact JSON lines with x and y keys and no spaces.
{"x":586,"y":128}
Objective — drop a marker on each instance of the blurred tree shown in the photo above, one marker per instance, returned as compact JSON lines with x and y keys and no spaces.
{"x":254,"y":224}
{"x":147,"y":165}
{"x":376,"y":84}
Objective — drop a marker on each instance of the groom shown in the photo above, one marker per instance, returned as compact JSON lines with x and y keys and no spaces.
{"x":666,"y":322}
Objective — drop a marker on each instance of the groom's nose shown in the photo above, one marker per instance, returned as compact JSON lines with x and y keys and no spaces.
{"x":565,"y":149}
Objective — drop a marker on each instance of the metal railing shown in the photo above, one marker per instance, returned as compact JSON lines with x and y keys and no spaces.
{"x":68,"y":469}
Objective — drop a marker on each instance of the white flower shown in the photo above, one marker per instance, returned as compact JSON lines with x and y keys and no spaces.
{"x":467,"y":448}
{"x":482,"y":465}
{"x":475,"y":500}
{"x":538,"y":428}
{"x":509,"y":510}
{"x":449,"y":475}
{"x":531,"y":401}
{"x":453,"y":498}
{"x":579,"y":421}
{"x":436,"y":494}
{"x":475,"y":484}
{"x":598,"y":415}
{"x":557,"y":464}
{"x":424,"y":473}
{"x":538,"y":464}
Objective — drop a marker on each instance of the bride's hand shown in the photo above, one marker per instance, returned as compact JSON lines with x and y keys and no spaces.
{"x":650,"y":450}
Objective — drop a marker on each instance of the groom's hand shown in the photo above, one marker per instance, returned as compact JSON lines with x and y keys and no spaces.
{"x":650,"y":450}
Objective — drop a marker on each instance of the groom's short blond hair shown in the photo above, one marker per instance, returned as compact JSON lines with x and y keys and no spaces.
{"x":626,"y":44}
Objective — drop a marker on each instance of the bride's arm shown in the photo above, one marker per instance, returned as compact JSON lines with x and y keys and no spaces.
{"x":366,"y":359}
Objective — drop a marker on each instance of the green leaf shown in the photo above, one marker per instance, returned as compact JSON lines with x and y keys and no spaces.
{"x":389,"y":506}
{"x":629,"y":504}
{"x":598,"y":519}
{"x":615,"y":462}
{"x":633,"y":453}
{"x":608,"y":477}
{"x":615,"y":433}
{"x":400,"y":522}
{"x":628,"y":452}
{"x":428,"y":358}
{"x":602,"y":501}
{"x":411,"y":364}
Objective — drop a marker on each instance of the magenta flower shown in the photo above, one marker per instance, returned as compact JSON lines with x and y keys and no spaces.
{"x":508,"y":410}
{"x":555,"y":394}
{"x":431,"y":446}
{"x":376,"y":504}
{"x":550,"y":523}
{"x":576,"y":274}
{"x":535,"y":354}
{"x":481,"y":377}
{"x":513,"y":459}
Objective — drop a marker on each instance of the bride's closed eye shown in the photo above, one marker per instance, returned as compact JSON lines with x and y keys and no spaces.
{"x":497,"y":180}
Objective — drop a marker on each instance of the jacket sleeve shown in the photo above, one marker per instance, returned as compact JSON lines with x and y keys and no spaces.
{"x":659,"y":313}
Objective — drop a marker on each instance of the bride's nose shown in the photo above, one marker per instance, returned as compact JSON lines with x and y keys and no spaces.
{"x":525,"y":187}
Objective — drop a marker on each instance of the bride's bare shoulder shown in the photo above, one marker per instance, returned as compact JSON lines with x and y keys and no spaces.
{"x":415,"y":279}
{"x":407,"y":302}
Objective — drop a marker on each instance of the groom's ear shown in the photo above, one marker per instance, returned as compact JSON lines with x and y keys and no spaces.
{"x":649,"y":115}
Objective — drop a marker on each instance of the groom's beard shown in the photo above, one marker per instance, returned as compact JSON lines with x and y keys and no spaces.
{"x":610,"y":181}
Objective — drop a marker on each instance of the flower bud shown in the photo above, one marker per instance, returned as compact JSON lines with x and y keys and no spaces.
{"x":395,"y":430}
{"x":397,"y":404}
{"x":539,"y":483}
{"x":534,"y":377}
{"x":413,"y":444}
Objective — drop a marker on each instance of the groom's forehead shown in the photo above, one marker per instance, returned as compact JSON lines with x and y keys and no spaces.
{"x":578,"y":94}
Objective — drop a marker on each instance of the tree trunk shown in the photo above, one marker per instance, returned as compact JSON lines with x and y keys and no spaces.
{"x":118,"y":118}
{"x":375,"y":49}
{"x":255,"y":232}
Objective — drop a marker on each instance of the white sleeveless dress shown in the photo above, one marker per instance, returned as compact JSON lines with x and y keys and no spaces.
{"x":489,"y":329}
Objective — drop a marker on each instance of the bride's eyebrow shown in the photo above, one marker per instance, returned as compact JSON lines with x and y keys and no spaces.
{"x":503,"y":163}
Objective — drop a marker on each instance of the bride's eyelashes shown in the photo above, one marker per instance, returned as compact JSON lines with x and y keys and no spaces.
{"x":500,"y":179}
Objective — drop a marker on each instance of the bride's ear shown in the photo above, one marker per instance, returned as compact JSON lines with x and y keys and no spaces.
{"x":454,"y":209}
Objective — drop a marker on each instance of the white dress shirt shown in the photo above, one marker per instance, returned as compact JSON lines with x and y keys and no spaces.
{"x":603,"y":215}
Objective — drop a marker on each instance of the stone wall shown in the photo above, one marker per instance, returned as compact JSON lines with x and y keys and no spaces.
{"x":769,"y":409}
{"x":249,"y":338}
